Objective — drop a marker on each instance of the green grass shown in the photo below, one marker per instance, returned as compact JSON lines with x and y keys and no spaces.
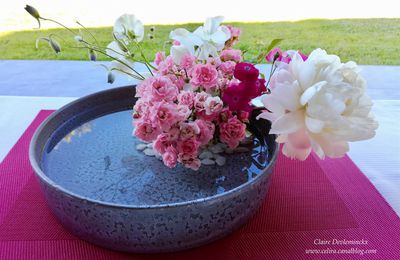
{"x":366,"y":41}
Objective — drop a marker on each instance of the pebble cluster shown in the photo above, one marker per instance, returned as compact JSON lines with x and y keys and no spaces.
{"x":210,"y":155}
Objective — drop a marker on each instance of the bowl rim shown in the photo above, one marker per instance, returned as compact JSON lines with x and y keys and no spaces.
{"x":49,"y":182}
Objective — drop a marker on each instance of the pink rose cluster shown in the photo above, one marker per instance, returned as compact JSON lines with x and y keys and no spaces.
{"x":185,"y":107}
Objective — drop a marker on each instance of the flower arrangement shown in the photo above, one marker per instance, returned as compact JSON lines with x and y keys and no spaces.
{"x":194,"y":103}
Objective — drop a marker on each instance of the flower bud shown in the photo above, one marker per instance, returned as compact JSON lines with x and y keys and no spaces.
{"x":92,"y":55}
{"x":54,"y":45}
{"x":32,"y":11}
{"x":78,"y":38}
{"x":110,"y":77}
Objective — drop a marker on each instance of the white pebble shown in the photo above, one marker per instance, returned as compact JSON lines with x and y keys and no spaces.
{"x":228,"y":150}
{"x":207,"y":161}
{"x":150,"y":145}
{"x":149,"y":152}
{"x":220,"y":160}
{"x":205,"y":155}
{"x":218,"y":148}
{"x":141,"y":147}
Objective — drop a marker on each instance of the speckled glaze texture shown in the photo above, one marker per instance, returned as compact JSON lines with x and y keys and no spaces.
{"x":120,"y":199}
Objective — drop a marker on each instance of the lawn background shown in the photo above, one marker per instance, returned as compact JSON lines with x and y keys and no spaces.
{"x":366,"y":41}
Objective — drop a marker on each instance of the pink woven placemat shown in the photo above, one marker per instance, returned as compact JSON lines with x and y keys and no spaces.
{"x":308,"y":203}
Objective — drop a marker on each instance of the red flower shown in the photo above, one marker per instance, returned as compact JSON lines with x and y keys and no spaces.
{"x":255,"y":88}
{"x":237,"y":97}
{"x":246,"y":72}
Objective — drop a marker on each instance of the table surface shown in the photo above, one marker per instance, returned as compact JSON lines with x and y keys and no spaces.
{"x":26,"y":87}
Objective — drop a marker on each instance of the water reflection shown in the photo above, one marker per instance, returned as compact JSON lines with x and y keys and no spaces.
{"x":77,"y":132}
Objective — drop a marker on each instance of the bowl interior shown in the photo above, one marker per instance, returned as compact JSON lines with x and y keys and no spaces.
{"x":87,"y":148}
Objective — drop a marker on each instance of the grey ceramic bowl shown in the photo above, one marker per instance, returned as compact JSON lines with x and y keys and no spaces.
{"x":106,"y":192}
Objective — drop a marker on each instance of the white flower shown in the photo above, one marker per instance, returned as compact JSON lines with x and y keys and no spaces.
{"x":213,"y":34}
{"x":127,"y":28}
{"x":114,"y":50}
{"x":319,"y":104}
{"x":177,"y":52}
{"x":205,"y":41}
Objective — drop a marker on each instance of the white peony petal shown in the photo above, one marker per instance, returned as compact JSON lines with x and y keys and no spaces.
{"x":272,"y":104}
{"x":299,"y":139}
{"x":311,"y":91}
{"x":295,"y":153}
{"x":288,"y":123}
{"x":267,"y":116}
{"x":314,"y":125}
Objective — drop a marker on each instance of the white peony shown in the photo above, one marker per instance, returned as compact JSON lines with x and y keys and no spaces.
{"x":319,"y":104}
{"x":205,"y":41}
{"x":128,"y":28}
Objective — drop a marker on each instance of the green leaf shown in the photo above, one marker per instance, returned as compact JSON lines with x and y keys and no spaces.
{"x":262,"y":75}
{"x":273,"y":43}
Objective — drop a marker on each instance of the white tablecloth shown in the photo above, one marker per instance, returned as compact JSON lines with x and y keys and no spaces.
{"x":378,"y":158}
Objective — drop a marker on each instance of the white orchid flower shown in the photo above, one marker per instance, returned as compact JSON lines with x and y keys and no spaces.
{"x":114,"y":50}
{"x":127,"y":28}
{"x":213,"y":33}
{"x":206,"y":40}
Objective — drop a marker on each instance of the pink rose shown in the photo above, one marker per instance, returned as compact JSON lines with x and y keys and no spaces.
{"x":189,"y":161}
{"x":189,"y":146}
{"x":188,"y":61}
{"x":206,"y":131}
{"x":184,"y":112}
{"x":214,"y":61}
{"x":231,"y":55}
{"x":160,"y":56}
{"x":166,"y":66}
{"x":186,"y":98}
{"x":227,"y":67}
{"x":164,"y":115}
{"x":204,"y":75}
{"x":145,"y":130}
{"x":235,"y":32}
{"x":162,"y":88}
{"x":141,"y":108}
{"x":213,"y":105}
{"x":232,"y":132}
{"x":143,"y":89}
{"x":188,"y":130}
{"x":170,"y":157}
{"x":177,"y":81}
{"x":243,"y":116}
{"x":162,"y":142}
{"x":199,"y":101}
{"x":173,"y":133}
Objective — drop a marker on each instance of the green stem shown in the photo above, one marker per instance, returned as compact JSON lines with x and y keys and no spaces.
{"x":54,"y":21}
{"x":87,"y":30}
